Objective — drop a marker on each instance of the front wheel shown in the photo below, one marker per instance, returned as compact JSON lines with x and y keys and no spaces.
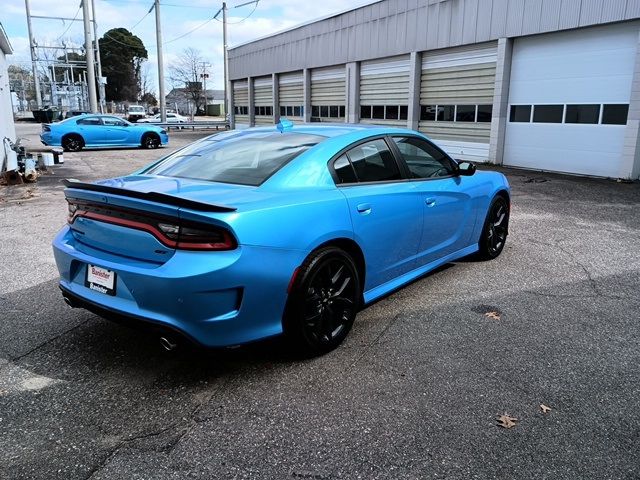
{"x":323,"y":302}
{"x":150,"y":140}
{"x":494,"y":233}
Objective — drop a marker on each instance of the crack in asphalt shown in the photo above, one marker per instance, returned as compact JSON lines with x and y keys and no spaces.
{"x":375,"y":341}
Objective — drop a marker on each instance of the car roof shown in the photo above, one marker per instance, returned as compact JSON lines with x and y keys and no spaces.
{"x":331,"y":130}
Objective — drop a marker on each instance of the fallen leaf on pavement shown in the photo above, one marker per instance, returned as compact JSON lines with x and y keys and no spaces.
{"x":506,"y":421}
{"x":544,"y":408}
{"x":494,"y":315}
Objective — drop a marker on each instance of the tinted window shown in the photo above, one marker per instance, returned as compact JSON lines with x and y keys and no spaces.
{"x":324,"y":111}
{"x":114,"y":122}
{"x":520,"y":113}
{"x":446,"y":113}
{"x":242,"y":158}
{"x":582,"y":114}
{"x":548,"y":113}
{"x":423,"y":159}
{"x":344,"y":170}
{"x":377,"y":111}
{"x":615,"y":114}
{"x":403,"y":112}
{"x":466,"y":113}
{"x":484,"y":113}
{"x":333,"y":111}
{"x":89,"y":121}
{"x":373,"y":162}
{"x":297,"y":111}
{"x":428,"y":112}
{"x":341,"y":110}
{"x":392,"y":112}
{"x":365,"y":111}
{"x":315,"y":111}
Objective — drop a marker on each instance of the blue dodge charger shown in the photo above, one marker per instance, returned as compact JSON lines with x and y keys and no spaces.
{"x":100,"y":131}
{"x":277,"y":230}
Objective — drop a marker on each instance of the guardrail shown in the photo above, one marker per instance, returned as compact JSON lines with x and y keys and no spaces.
{"x":192,"y":125}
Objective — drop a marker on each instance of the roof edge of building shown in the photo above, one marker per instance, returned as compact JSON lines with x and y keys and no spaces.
{"x":5,"y":45}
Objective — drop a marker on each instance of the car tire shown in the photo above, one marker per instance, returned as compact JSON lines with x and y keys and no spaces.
{"x":150,"y":140}
{"x":323,"y":301}
{"x":72,"y":142}
{"x":495,"y":230}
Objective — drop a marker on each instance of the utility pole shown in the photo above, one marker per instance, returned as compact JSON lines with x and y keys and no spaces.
{"x":97,"y":46}
{"x":34,"y":57}
{"x":226,"y":64}
{"x":163,"y":107}
{"x":88,"y":49}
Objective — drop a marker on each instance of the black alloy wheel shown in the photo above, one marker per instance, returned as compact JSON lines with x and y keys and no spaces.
{"x":323,"y":302}
{"x":150,"y":140}
{"x":494,"y":234}
{"x":72,"y":143}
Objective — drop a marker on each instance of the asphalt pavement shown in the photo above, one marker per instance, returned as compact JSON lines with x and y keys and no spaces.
{"x":414,"y":393}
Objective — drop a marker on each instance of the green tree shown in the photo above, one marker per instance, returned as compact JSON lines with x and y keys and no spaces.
{"x":149,"y":98}
{"x":122,"y":54}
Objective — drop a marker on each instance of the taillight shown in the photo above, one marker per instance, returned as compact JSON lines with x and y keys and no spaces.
{"x":172,"y":233}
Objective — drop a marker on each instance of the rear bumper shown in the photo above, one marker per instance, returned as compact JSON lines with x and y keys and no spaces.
{"x":216,"y":299}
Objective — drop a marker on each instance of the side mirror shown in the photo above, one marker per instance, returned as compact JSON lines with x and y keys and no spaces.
{"x":466,"y":169}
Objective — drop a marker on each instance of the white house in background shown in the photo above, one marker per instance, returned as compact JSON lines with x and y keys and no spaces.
{"x":7,"y":127}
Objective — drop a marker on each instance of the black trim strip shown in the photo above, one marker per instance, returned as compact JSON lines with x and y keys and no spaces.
{"x":150,"y":196}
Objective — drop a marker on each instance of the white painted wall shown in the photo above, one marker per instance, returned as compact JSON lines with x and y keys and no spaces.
{"x":7,"y":127}
{"x":593,"y":65}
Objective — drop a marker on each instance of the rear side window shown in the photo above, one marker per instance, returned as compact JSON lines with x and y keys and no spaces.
{"x":239,"y":158}
{"x":89,"y":121}
{"x":374,"y":162}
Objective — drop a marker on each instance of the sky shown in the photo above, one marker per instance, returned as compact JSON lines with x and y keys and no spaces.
{"x":179,"y":17}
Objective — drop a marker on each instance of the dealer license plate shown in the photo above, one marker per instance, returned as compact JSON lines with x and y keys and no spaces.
{"x":101,"y":280}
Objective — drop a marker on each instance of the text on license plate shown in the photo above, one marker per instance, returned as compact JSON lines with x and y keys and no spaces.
{"x":101,"y":280}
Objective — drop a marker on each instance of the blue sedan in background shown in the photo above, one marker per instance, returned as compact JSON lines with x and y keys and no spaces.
{"x":250,"y":234}
{"x":99,"y":131}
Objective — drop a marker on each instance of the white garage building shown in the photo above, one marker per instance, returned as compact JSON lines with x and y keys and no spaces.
{"x":7,"y":127}
{"x":542,"y":84}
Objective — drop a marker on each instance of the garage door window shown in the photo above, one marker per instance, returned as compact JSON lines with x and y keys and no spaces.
{"x":548,"y":113}
{"x":466,"y":113}
{"x":520,"y":113}
{"x":583,"y":114}
{"x":615,"y":114}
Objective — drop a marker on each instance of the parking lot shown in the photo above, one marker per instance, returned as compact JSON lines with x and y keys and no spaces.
{"x":414,"y":392}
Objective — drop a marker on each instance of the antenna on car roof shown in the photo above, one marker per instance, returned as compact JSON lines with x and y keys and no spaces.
{"x":284,"y":124}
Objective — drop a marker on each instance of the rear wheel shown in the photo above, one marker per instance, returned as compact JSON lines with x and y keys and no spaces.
{"x":150,"y":140}
{"x":494,"y":233}
{"x":72,"y":143}
{"x":323,"y":302}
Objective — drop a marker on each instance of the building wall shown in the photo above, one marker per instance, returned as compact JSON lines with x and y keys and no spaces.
{"x":395,"y":27}
{"x":7,"y":127}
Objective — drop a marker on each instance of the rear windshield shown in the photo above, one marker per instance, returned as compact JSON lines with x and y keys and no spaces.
{"x":236,"y":157}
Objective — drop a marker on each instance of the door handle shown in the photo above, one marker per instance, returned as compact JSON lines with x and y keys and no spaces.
{"x":364,"y":208}
{"x":430,"y":202}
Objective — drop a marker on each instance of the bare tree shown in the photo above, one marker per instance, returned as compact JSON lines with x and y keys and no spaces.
{"x":145,"y":80}
{"x":185,"y":74}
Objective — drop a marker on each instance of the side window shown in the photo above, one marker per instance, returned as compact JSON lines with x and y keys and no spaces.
{"x":113,"y":122}
{"x":89,"y":121}
{"x":423,"y":159}
{"x":344,"y":170}
{"x":374,"y":162}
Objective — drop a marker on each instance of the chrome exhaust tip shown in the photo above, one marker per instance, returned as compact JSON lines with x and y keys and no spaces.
{"x":168,"y":344}
{"x":68,"y":301}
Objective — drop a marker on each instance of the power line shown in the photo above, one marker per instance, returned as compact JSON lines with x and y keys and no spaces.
{"x":70,"y":23}
{"x":255,"y":6}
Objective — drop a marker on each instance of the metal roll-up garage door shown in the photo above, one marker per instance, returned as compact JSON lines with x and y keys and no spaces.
{"x":291,"y":96}
{"x":328,"y":94}
{"x":569,"y":98}
{"x":263,"y":100}
{"x":456,"y":99}
{"x":241,"y":102}
{"x":384,"y":91}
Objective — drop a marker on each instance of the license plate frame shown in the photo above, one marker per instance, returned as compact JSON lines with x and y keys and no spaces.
{"x":101,"y":280}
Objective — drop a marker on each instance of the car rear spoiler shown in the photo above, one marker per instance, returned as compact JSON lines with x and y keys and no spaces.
{"x":150,"y":196}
